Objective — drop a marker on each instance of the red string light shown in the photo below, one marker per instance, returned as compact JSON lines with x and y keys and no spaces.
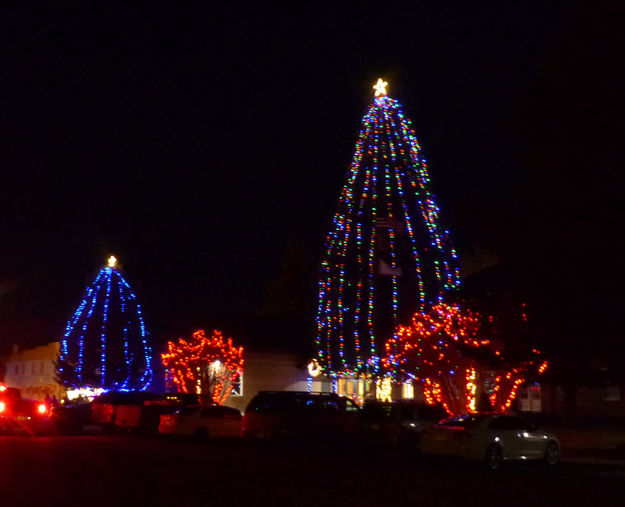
{"x":443,"y":350}
{"x":203,"y":365}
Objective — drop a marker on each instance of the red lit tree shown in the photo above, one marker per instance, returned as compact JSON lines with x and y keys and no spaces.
{"x":207,"y":366}
{"x":442,"y":349}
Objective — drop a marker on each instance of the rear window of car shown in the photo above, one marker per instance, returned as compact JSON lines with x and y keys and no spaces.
{"x":330,"y":404}
{"x":380,"y":410}
{"x":506,"y":422}
{"x":179,"y":399}
{"x":125,"y":398}
{"x":408,"y":412}
{"x":350,"y":406}
{"x":271,"y":403}
{"x":433,"y":413}
{"x":188,"y":411}
{"x":295,"y":402}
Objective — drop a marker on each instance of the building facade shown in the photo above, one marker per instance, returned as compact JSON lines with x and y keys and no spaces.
{"x":33,"y":371}
{"x":267,"y":371}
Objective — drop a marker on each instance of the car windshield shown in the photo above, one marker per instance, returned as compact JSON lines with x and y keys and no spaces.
{"x":462,"y":421}
{"x":432,"y":413}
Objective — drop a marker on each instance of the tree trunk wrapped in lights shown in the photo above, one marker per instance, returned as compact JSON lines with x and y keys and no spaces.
{"x":457,"y":368}
{"x":206,"y":366}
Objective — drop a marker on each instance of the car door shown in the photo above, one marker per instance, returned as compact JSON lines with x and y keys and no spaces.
{"x":330,"y":420}
{"x":504,"y":430}
{"x":212,"y":419}
{"x":231,"y":421}
{"x":349,"y":415}
{"x":531,"y":440}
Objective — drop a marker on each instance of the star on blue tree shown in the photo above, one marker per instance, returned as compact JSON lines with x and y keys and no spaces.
{"x":106,"y":344}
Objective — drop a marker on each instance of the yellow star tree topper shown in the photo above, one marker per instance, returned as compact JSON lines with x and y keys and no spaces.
{"x":380,"y":87}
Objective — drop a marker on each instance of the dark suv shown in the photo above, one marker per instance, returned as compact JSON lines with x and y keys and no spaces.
{"x":283,"y":414}
{"x":398,"y":423}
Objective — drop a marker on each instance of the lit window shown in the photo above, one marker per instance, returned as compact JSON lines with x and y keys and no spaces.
{"x":350,"y":387}
{"x":407,"y":391}
{"x":342,"y":387}
{"x":237,"y":387}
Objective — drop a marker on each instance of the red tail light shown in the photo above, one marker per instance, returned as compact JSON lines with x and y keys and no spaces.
{"x":2,"y":407}
{"x":42,"y":409}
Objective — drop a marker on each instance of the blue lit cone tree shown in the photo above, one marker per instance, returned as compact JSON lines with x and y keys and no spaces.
{"x":387,"y":256}
{"x":106,"y":344}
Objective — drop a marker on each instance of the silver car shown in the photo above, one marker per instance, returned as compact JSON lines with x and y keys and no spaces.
{"x":493,"y":438}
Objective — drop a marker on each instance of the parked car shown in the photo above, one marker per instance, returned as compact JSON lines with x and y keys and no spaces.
{"x":202,"y":421}
{"x":71,"y":418}
{"x":18,"y":415}
{"x":284,"y":414}
{"x":135,"y":410}
{"x":493,"y":438}
{"x":398,"y":424}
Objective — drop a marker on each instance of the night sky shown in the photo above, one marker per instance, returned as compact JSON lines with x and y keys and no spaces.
{"x":193,"y":143}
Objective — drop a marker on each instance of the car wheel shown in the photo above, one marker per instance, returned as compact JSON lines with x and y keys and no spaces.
{"x":494,"y":457}
{"x":200,"y":434}
{"x":552,"y":453}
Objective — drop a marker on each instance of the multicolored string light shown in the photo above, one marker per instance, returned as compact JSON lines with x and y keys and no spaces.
{"x":386,"y":253}
{"x":106,"y":344}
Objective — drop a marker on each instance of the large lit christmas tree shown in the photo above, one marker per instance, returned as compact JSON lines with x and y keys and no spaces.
{"x":106,"y":345}
{"x":387,"y":255}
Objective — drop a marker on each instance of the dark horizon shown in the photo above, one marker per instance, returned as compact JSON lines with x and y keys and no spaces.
{"x":193,"y":143}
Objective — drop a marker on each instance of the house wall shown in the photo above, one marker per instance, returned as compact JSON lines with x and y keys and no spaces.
{"x":268,"y":372}
{"x":33,"y":371}
{"x":596,"y":402}
{"x":584,"y":403}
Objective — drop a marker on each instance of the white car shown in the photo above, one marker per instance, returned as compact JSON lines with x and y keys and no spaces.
{"x":493,"y":438}
{"x":202,"y":421}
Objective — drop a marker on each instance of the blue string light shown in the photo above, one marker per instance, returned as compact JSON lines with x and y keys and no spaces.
{"x":106,"y":343}
{"x":103,"y":328}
